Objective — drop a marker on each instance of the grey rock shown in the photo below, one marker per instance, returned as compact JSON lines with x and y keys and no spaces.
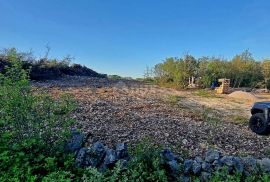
{"x":186,"y":178}
{"x":206,"y":167}
{"x":250,"y":165}
{"x":217,"y":164}
{"x":205,"y":176}
{"x":211,"y":156}
{"x":95,"y":154}
{"x":196,"y":168}
{"x":75,"y":143}
{"x":228,"y":160}
{"x":174,"y":168}
{"x":121,"y":151}
{"x":188,"y":166}
{"x":168,"y":155}
{"x":230,"y":169}
{"x":80,"y":158}
{"x":109,"y":160}
{"x":265,"y":165}
{"x":238,"y":165}
{"x":110,"y":157}
{"x":199,"y":159}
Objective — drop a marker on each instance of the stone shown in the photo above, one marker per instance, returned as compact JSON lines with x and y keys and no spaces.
{"x":238,"y":165}
{"x":265,"y":165}
{"x":228,"y":160}
{"x":121,"y":151}
{"x":75,"y":143}
{"x":174,"y":168}
{"x":198,"y":159}
{"x":80,"y":158}
{"x":188,"y":166}
{"x":167,"y":155}
{"x":95,"y":154}
{"x":184,"y":141}
{"x":250,"y":165}
{"x":196,"y":168}
{"x":206,"y":167}
{"x":211,"y":156}
{"x":109,"y":160}
{"x":230,"y":169}
{"x":205,"y":176}
{"x":217,"y":164}
{"x":186,"y":178}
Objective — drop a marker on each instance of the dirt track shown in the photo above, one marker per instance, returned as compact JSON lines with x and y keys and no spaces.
{"x":127,"y":111}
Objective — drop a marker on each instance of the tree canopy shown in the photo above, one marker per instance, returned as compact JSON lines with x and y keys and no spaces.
{"x":242,"y":69}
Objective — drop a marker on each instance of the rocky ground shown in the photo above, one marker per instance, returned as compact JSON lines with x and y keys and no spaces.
{"x":128,"y":111}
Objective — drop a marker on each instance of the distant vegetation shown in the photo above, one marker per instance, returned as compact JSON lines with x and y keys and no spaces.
{"x":34,"y":129}
{"x":117,"y":77}
{"x":243,"y":70}
{"x":45,"y":68}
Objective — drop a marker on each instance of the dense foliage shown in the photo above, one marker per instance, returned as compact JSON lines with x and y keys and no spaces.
{"x":33,"y":128}
{"x":33,"y":131}
{"x":46,"y":68}
{"x":243,"y":70}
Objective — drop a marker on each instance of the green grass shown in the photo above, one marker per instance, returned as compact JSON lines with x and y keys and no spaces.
{"x":206,"y":93}
{"x":239,"y":119}
{"x":173,"y":99}
{"x":210,"y":116}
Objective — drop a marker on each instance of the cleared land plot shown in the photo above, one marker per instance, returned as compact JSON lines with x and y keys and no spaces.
{"x":187,"y":121}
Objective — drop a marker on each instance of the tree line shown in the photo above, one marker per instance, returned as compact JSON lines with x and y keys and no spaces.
{"x":243,"y":71}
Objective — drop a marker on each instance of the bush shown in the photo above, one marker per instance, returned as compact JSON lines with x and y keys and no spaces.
{"x":145,"y":165}
{"x":44,"y":68}
{"x":33,"y":128}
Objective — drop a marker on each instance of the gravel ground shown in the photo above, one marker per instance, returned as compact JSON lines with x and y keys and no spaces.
{"x":128,"y":111}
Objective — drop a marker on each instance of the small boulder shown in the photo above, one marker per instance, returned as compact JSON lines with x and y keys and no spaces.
{"x":109,"y":160}
{"x":217,"y":164}
{"x":265,"y":165}
{"x":168,"y":155}
{"x":96,"y":154}
{"x":188,"y":166}
{"x":206,"y":167}
{"x":75,"y":143}
{"x":228,"y":160}
{"x":185,"y":178}
{"x":174,"y":168}
{"x":205,"y":176}
{"x":250,"y":165}
{"x":196,"y":168}
{"x":211,"y":156}
{"x":80,"y":160}
{"x":121,"y":151}
{"x":199,"y":159}
{"x":238,"y":165}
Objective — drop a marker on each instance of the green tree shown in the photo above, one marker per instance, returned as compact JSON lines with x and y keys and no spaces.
{"x":265,"y":66}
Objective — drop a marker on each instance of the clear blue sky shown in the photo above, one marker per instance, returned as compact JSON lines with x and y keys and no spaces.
{"x":124,"y":36}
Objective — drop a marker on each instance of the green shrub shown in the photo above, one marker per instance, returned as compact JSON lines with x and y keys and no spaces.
{"x":145,"y":165}
{"x":173,"y":99}
{"x":33,"y":128}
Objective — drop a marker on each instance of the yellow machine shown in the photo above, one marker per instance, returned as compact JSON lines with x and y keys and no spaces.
{"x":224,"y":87}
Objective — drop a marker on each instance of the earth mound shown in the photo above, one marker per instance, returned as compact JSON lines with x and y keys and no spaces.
{"x":243,"y":95}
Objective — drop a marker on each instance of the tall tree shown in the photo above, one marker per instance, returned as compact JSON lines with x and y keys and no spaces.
{"x":265,"y":66}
